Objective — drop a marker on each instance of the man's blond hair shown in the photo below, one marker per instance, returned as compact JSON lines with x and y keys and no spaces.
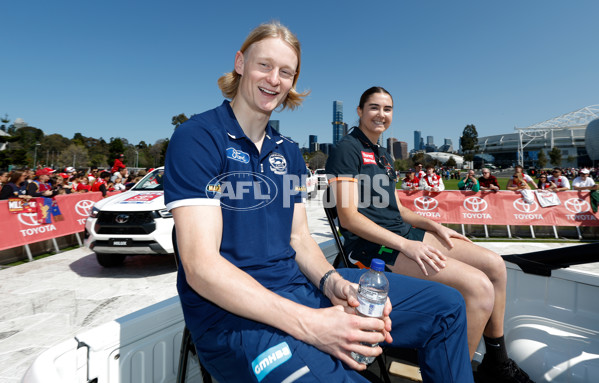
{"x":229,"y":82}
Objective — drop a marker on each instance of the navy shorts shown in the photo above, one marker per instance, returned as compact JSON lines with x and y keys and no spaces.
{"x":428,"y":316}
{"x":363,"y":253}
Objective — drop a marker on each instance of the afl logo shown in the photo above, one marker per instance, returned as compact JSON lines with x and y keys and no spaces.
{"x":242,"y":190}
{"x":28,"y":219}
{"x":577,"y":205}
{"x":475,"y":204}
{"x":83,"y":207}
{"x":524,"y":207}
{"x":426,"y":203}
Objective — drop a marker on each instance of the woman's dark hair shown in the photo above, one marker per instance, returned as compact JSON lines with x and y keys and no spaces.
{"x":369,"y":92}
{"x":14,"y":177}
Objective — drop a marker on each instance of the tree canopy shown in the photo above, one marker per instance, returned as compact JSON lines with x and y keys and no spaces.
{"x":555,"y":156}
{"x":28,"y":144}
{"x":469,"y":139}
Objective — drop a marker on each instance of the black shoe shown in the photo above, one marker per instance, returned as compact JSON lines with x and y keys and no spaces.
{"x":507,"y":372}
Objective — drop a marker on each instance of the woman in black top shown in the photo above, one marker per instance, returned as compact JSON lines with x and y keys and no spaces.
{"x":15,"y":187}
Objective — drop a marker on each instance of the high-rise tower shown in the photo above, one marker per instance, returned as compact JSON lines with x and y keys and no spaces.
{"x":417,"y":139}
{"x":338,"y":125}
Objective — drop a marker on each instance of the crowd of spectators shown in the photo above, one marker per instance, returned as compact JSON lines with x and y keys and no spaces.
{"x":554,"y":180}
{"x":48,"y":182}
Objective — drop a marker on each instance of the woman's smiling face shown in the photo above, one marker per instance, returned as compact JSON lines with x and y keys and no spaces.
{"x":376,"y":116}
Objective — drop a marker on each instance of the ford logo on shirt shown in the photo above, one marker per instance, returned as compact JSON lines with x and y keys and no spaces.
{"x":238,"y":155}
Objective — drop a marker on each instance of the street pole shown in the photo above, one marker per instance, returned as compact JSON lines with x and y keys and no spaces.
{"x":35,"y":156}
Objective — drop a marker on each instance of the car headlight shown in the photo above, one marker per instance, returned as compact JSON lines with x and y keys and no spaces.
{"x":164,"y":213}
{"x":94,"y":212}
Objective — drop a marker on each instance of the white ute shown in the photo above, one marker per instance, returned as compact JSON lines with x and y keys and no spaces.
{"x":131,"y":223}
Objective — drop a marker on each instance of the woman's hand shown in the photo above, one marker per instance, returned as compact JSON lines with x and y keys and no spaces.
{"x":446,"y":234}
{"x":422,"y":254}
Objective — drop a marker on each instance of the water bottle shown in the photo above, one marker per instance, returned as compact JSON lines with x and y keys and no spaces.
{"x":372,"y":295}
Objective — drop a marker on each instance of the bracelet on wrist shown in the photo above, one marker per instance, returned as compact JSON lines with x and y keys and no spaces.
{"x":324,"y":278}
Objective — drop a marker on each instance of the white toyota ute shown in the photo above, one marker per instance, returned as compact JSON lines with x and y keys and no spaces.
{"x":131,"y":223}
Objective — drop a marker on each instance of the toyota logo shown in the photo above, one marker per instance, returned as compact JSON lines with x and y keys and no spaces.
{"x":29,"y":219}
{"x":426,"y":203}
{"x":83,"y":207}
{"x":475,"y":204}
{"x":577,"y":205}
{"x":524,"y":207}
{"x":122,"y":218}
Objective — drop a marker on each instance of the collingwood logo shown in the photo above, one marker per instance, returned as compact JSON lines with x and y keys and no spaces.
{"x":270,"y":359}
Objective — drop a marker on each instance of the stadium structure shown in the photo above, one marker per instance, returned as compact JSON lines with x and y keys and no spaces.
{"x":566,"y":132}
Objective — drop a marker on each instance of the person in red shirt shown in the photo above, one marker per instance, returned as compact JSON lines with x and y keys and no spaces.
{"x":420,"y":174}
{"x":101,"y":184}
{"x":40,"y":186}
{"x":544,"y":183}
{"x":431,"y":181}
{"x":411,"y":182}
{"x":488,"y":181}
{"x":118,"y":164}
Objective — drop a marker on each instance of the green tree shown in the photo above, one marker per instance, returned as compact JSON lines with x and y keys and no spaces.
{"x":178,"y":120}
{"x":78,"y":139}
{"x":155,"y":153}
{"x":115,"y":148}
{"x":98,"y":151}
{"x":317,"y":160}
{"x":451,"y":162}
{"x":542,"y":159}
{"x":555,"y":156}
{"x":4,"y":120}
{"x":419,"y":157}
{"x":163,"y":152}
{"x":402,"y":165}
{"x":469,"y":139}
{"x":75,"y":155}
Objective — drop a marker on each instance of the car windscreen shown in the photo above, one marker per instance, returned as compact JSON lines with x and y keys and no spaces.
{"x":153,"y":181}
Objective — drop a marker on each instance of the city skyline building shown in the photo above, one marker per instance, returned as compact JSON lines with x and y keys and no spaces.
{"x":400,"y":150}
{"x":417,"y":139}
{"x":275,"y":124}
{"x":390,"y":142}
{"x":339,"y":127}
{"x":313,"y":143}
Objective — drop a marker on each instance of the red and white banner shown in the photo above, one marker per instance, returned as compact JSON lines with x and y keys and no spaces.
{"x":20,"y":228}
{"x":500,"y":208}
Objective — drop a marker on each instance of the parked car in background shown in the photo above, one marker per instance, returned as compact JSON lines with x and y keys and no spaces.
{"x":322,"y":178}
{"x":131,"y":223}
{"x":311,"y":184}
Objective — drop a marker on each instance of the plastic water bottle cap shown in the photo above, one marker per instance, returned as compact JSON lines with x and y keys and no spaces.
{"x":377,"y":264}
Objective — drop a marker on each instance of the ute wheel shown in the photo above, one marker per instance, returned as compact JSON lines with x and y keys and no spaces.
{"x":110,"y":260}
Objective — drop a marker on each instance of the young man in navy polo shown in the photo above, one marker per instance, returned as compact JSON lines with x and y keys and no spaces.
{"x":259,"y":297}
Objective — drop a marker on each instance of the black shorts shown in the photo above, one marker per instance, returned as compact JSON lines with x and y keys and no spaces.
{"x":363,"y":253}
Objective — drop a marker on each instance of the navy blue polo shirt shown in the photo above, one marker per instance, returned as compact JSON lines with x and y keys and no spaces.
{"x":210,"y":161}
{"x":357,"y":159}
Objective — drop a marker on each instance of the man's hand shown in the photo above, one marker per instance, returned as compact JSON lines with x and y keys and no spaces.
{"x":338,"y":333}
{"x":349,"y":330}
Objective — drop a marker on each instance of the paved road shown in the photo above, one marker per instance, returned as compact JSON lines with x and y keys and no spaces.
{"x":47,"y":301}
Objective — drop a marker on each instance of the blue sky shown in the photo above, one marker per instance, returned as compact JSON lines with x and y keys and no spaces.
{"x":124,"y":68}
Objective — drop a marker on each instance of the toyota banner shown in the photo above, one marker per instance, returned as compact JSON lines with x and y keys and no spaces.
{"x":500,"y":208}
{"x":20,"y":222}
